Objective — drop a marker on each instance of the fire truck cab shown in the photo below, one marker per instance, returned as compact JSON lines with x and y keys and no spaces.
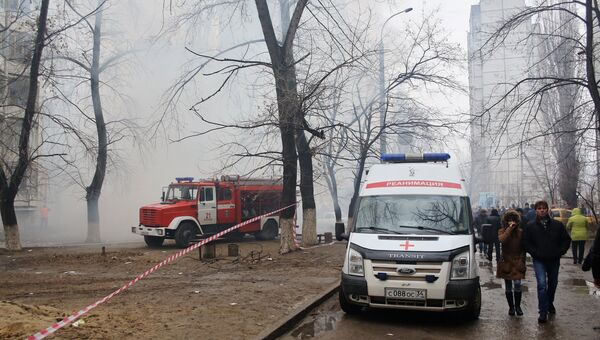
{"x":195,"y":209}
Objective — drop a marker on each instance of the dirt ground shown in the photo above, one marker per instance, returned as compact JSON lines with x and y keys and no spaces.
{"x":224,"y":298}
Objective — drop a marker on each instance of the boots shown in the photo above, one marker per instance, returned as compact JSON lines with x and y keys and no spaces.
{"x":518,"y":303}
{"x":511,"y":304}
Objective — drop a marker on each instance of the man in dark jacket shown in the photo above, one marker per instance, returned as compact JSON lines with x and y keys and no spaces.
{"x":494,"y":220}
{"x":546,"y":240}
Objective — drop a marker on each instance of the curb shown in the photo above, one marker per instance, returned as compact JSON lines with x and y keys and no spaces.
{"x":284,"y":325}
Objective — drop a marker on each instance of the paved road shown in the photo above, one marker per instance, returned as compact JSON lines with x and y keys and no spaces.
{"x":578,"y":315}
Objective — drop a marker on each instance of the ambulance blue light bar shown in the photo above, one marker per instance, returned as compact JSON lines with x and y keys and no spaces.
{"x":407,"y":158}
{"x":184,"y":179}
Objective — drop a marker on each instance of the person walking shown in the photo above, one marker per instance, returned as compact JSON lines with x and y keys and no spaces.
{"x":511,"y":266}
{"x":546,"y":240}
{"x":494,"y":220}
{"x":578,"y":226}
{"x":592,"y":260}
{"x":480,"y":220}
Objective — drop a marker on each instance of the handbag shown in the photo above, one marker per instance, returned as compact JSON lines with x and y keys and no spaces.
{"x":587,"y":262}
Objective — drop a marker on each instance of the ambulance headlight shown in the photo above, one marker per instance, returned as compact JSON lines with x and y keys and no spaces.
{"x":355,"y":263}
{"x":460,"y":267}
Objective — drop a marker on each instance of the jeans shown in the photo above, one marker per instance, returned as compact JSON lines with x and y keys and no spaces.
{"x":578,"y":248}
{"x":490,"y":248}
{"x":546,"y":275}
{"x":482,"y":247}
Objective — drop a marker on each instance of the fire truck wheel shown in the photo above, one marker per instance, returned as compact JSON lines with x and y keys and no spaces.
{"x":185,"y":234}
{"x":154,"y":241}
{"x":269,"y":231}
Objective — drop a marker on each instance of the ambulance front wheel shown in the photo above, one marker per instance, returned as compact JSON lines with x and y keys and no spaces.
{"x":348,"y":307}
{"x":474,"y":308}
{"x":154,"y":241}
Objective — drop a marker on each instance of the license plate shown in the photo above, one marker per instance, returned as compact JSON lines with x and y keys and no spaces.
{"x":407,"y":294}
{"x":143,"y":232}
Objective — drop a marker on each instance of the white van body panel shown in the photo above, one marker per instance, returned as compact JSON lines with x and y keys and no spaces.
{"x":414,"y":179}
{"x":430,"y":242}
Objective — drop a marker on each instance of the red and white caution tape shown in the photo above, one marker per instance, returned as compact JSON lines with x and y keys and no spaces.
{"x":47,"y":331}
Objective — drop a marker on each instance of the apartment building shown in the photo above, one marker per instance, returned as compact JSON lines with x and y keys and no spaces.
{"x":504,"y":164}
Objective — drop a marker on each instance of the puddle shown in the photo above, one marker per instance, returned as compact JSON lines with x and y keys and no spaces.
{"x":575,"y":282}
{"x":325,"y":321}
{"x":491,"y":285}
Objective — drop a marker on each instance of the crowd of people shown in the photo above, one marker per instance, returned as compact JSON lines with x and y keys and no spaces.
{"x":515,"y":232}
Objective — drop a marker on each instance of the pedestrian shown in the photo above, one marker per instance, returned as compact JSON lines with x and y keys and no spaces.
{"x":44,"y":217}
{"x":494,"y":220}
{"x":480,"y":220}
{"x":524,"y":219}
{"x":530,"y":215}
{"x":578,"y":226}
{"x":526,"y":209}
{"x":511,"y":267}
{"x":546,"y":240}
{"x":592,"y":260}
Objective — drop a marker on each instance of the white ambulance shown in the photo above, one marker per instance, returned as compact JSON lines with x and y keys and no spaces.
{"x":411,"y":243}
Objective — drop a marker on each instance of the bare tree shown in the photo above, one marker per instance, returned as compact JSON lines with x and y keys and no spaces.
{"x":79,"y":62}
{"x":550,"y":103}
{"x":11,"y":178}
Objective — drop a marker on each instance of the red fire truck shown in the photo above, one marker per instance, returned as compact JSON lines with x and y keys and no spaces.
{"x":190,"y":210}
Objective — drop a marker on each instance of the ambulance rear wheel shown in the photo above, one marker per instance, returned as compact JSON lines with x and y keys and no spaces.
{"x":348,"y":307}
{"x":269,"y":231}
{"x":154,"y":241}
{"x":185,"y":234}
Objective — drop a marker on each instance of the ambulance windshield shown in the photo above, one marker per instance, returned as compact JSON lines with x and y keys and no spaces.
{"x":412,"y":214}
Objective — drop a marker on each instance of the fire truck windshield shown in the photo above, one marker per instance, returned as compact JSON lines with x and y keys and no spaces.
{"x":181,"y":192}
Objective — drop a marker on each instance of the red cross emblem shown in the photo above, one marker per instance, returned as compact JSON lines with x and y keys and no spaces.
{"x":406,"y":245}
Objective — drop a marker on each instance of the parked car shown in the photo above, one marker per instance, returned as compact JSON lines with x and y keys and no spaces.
{"x":561,"y":214}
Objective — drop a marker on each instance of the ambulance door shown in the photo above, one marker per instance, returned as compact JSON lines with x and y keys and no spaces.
{"x":207,"y":206}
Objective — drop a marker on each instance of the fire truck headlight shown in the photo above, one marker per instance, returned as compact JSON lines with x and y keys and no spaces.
{"x":355,"y":263}
{"x":460,"y":267}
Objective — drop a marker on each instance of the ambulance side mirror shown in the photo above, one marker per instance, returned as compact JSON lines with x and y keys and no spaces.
{"x":340,"y":231}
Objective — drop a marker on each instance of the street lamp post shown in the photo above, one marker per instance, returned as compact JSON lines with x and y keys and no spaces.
{"x":382,"y":108}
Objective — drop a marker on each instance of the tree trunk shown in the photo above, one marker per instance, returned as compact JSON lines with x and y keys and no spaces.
{"x":93,"y":219}
{"x":332,"y":185}
{"x":281,"y":56}
{"x":11,"y":228}
{"x":309,"y":218}
{"x":9,"y":189}
{"x":591,"y":73}
{"x":94,"y":190}
{"x":359,"y":171}
{"x":288,"y":195}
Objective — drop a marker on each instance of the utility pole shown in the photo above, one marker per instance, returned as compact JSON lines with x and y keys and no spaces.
{"x":382,"y":92}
